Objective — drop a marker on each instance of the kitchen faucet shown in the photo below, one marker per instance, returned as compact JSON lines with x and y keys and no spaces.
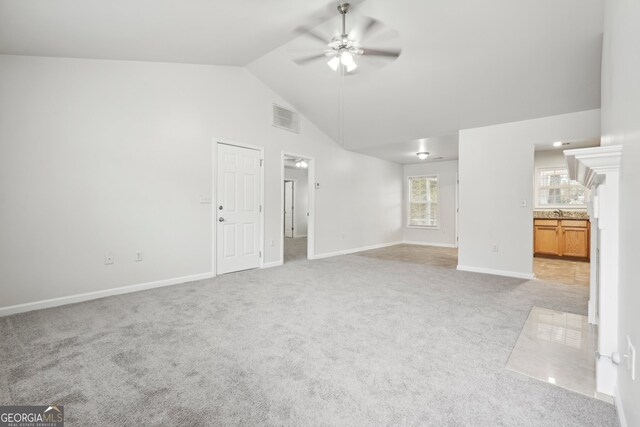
{"x":558,"y":213}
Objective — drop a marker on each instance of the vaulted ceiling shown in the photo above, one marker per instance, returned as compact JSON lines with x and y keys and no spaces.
{"x":189,"y":31}
{"x":463,"y":64}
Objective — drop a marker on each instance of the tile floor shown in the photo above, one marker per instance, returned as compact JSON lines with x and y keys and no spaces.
{"x":561,"y":271}
{"x":557,"y":348}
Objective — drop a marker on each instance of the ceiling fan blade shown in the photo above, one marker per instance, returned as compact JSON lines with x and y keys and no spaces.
{"x":371,"y":26}
{"x":306,"y":31}
{"x":381,"y":37}
{"x":311,"y":58}
{"x":388,"y":53}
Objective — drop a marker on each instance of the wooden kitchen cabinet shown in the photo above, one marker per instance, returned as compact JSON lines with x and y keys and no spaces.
{"x":546,"y":238}
{"x":561,"y":238}
{"x":575,"y":238}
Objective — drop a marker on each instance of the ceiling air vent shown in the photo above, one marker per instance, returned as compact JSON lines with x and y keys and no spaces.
{"x":286,"y":119}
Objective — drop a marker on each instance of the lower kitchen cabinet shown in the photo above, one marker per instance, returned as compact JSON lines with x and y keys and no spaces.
{"x":561,"y":238}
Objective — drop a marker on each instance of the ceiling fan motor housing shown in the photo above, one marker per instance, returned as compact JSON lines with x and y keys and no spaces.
{"x":344,"y":8}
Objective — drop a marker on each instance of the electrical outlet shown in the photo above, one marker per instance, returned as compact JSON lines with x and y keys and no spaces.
{"x":108,"y":258}
{"x":631,"y":358}
{"x":138,"y":256}
{"x":495,"y":248}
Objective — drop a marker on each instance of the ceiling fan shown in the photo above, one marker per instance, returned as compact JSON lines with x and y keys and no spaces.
{"x":343,"y":49}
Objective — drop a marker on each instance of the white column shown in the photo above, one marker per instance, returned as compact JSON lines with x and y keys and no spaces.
{"x":598,"y":169}
{"x":608,"y":223}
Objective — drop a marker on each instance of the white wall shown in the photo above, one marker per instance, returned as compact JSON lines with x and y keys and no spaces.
{"x":621,"y":125}
{"x":549,"y":159}
{"x":445,"y":234}
{"x":496,"y":166}
{"x":300,"y":199}
{"x":100,"y":156}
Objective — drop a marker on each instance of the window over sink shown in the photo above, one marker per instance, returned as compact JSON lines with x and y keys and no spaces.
{"x":555,"y":190}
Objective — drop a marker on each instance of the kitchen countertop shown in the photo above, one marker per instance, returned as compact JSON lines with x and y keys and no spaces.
{"x":565,"y":215}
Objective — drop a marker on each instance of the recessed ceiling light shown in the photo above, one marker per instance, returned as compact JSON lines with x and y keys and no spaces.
{"x":422,"y":155}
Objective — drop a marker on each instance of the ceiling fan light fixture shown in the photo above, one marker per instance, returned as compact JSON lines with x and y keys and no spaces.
{"x":422,"y":155}
{"x":333,"y":63}
{"x":346,"y":59}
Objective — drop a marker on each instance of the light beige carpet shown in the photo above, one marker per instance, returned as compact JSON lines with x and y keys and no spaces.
{"x":366,"y":339}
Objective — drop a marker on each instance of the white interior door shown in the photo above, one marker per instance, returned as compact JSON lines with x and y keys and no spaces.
{"x":288,"y":209}
{"x":238,"y":209}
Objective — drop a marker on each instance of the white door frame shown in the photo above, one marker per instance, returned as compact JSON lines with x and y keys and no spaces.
{"x":293,"y":200}
{"x":214,"y":198}
{"x":311,"y":180}
{"x":457,"y":204}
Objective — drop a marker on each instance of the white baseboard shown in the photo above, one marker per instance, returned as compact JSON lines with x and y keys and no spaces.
{"x":299,"y":235}
{"x":272,"y":264}
{"x":71,"y":299}
{"x":438,"y":245}
{"x":605,"y":398}
{"x":619,"y":408}
{"x":354,"y":250}
{"x":528,"y":276}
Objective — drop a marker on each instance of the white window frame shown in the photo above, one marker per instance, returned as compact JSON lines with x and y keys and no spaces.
{"x":537,"y":204}
{"x":408,"y":202}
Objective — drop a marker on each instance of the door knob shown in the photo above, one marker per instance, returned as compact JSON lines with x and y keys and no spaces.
{"x":220,"y":219}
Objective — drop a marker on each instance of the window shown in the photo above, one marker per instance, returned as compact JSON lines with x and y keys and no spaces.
{"x":423,"y":201}
{"x":554,"y":189}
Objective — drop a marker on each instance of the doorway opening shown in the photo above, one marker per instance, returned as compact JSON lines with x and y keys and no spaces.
{"x":561,"y":223}
{"x":554,"y":346}
{"x":297,"y":201}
